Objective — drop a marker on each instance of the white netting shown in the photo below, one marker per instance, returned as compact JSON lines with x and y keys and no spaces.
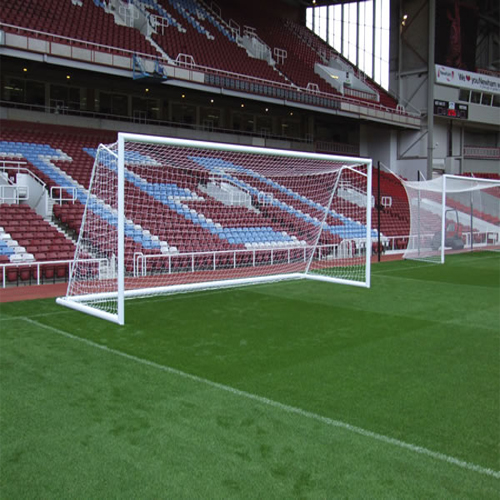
{"x":452,"y":214}
{"x":202,"y":215}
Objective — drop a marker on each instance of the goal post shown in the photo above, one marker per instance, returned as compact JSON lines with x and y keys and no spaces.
{"x":452,"y":214}
{"x":166,"y":215}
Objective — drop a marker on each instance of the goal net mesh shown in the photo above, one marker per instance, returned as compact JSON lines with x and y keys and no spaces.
{"x":452,"y":214}
{"x":199,"y":216}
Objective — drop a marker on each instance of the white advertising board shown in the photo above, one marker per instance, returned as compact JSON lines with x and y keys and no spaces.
{"x":467,"y":79}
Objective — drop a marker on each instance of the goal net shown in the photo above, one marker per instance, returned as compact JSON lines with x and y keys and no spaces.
{"x":451,"y":214}
{"x":167,"y":215}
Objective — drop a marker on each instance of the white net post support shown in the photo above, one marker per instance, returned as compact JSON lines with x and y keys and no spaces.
{"x":452,"y":214}
{"x":94,"y":285}
{"x":166,"y":215}
{"x":121,"y":231}
{"x":443,"y":221}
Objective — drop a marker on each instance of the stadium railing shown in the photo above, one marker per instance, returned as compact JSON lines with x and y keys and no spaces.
{"x":123,"y":58}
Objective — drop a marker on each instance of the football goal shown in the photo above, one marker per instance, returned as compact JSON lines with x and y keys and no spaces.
{"x":166,"y":215}
{"x":451,"y":214}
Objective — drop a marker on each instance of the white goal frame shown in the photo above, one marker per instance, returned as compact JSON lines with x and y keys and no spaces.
{"x":78,"y":302}
{"x":444,"y":188}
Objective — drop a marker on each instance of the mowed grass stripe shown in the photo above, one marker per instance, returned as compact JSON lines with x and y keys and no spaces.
{"x":283,"y":407}
{"x":426,"y":370}
{"x":81,"y":423}
{"x":475,"y":269}
{"x":398,"y":359}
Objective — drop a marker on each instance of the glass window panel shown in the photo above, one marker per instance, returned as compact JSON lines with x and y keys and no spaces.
{"x":13,"y":90}
{"x":337,"y":27}
{"x":354,"y":38}
{"x":368,"y":9}
{"x":486,"y":100}
{"x":323,"y":12}
{"x":386,"y":19}
{"x":464,"y":95}
{"x":384,"y":50}
{"x":476,"y":97}
{"x":368,"y":37}
{"x":309,"y":17}
{"x":353,"y":28}
{"x":120,"y":105}
{"x":345,"y":29}
{"x":362,"y":36}
{"x":35,"y":93}
{"x":316,"y":19}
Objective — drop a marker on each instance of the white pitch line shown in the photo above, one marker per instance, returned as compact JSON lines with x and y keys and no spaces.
{"x":36,"y":315}
{"x":281,"y":406}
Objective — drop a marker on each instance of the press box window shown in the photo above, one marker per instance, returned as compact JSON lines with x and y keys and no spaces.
{"x":486,"y":100}
{"x":476,"y":97}
{"x":464,"y":95}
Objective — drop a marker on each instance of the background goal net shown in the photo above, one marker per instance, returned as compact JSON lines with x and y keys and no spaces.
{"x":167,"y":215}
{"x":452,"y":214}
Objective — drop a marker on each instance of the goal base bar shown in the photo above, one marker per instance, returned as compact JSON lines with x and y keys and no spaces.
{"x":92,"y":311}
{"x":79,"y":303}
{"x":428,"y":260}
{"x":340,"y":281}
{"x":187,"y":287}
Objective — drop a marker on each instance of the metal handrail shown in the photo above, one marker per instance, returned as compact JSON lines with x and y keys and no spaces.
{"x":17,"y":193}
{"x":482,"y":152}
{"x":109,"y":48}
{"x":72,"y":197}
{"x":140,"y":260}
{"x":219,"y":72}
{"x":38,"y":264}
{"x":23,"y":170}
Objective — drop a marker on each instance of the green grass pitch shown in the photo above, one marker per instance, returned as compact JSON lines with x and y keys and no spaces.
{"x":289,"y":390}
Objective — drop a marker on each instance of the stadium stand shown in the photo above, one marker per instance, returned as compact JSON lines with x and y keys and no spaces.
{"x":394,"y":212}
{"x":186,"y":33}
{"x":25,"y":239}
{"x":87,"y":22}
{"x":28,"y":237}
{"x":63,"y":158}
{"x":232,"y":47}
{"x":303,"y":50}
{"x":208,"y":42}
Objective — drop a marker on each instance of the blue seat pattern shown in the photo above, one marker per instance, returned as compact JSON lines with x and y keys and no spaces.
{"x":173,"y":196}
{"x":348,"y":230}
{"x":35,"y":154}
{"x":5,"y":249}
